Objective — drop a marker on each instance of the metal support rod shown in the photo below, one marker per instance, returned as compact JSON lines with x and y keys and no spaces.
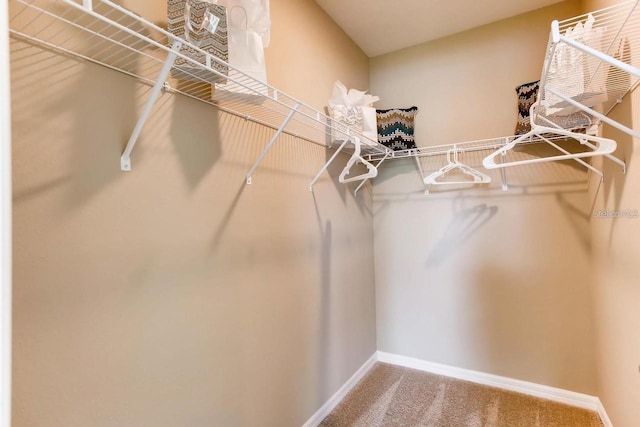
{"x":582,"y":162}
{"x":324,"y":168}
{"x":503,"y":174}
{"x":608,"y":156}
{"x":125,"y":159}
{"x":364,"y":181}
{"x":273,"y":140}
{"x":87,"y":4}
{"x":421,"y":172}
{"x":594,"y":113}
{"x":355,"y":192}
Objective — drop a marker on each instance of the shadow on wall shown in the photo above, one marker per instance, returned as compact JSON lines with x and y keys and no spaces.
{"x":104,"y":121}
{"x":401,"y":167}
{"x":464,"y":224}
{"x":577,"y":217}
{"x":98,"y":123}
{"x":324,"y":321}
{"x":224,"y":223}
{"x":101,"y":124}
{"x":25,"y":79}
{"x":615,"y":179}
{"x":195,"y":135}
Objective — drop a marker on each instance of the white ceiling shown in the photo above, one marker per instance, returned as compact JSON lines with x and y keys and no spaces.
{"x":383,"y":26}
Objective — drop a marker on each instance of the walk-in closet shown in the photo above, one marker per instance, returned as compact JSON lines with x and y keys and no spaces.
{"x":248,"y":213}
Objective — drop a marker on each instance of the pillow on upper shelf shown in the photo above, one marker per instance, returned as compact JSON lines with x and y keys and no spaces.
{"x":396,"y":127}
{"x":527,"y":95}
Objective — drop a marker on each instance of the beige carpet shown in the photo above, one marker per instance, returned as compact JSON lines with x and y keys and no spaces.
{"x":394,"y":396}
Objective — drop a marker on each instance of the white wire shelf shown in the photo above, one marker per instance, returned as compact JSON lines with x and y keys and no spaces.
{"x":105,"y":33}
{"x":589,"y":65}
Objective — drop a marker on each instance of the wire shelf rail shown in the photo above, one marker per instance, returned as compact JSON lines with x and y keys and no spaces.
{"x":106,"y":33}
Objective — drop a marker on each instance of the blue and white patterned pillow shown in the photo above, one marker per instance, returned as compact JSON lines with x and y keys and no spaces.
{"x":396,"y":127}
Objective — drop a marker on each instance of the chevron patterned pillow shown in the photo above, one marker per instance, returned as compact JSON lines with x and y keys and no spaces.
{"x":396,"y":128}
{"x":527,"y":95}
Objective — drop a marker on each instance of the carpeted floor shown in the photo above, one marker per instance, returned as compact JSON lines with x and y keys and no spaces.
{"x":395,"y":396}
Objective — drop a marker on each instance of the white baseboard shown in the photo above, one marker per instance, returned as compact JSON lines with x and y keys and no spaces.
{"x":603,"y":415}
{"x":532,"y":389}
{"x":567,"y":397}
{"x":341,"y":393}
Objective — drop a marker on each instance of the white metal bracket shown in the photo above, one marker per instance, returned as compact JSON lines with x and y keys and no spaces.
{"x":505,"y":186}
{"x":596,"y":114}
{"x":273,"y":141}
{"x":125,"y":159}
{"x":326,"y":165}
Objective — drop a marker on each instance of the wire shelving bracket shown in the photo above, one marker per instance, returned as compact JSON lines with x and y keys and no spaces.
{"x":125,"y":159}
{"x":271,"y":142}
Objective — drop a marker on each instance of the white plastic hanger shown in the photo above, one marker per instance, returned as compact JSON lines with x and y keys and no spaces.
{"x":454,"y":163}
{"x":602,"y":147}
{"x":357,"y":158}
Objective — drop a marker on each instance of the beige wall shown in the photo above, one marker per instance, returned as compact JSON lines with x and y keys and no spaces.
{"x":464,"y":85}
{"x":175,"y":295}
{"x":616,"y":269}
{"x":317,"y":53}
{"x":481,"y":279}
